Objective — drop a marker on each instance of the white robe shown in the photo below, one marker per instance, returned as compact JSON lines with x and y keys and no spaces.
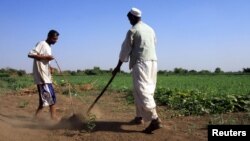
{"x":144,"y":81}
{"x":144,"y":72}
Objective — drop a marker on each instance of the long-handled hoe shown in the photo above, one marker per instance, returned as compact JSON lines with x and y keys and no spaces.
{"x":98,"y":97}
{"x":75,"y":119}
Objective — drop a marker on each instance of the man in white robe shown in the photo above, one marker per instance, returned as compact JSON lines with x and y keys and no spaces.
{"x":139,"y":49}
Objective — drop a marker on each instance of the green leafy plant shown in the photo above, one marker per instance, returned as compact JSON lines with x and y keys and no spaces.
{"x":23,"y":104}
{"x":91,"y":122}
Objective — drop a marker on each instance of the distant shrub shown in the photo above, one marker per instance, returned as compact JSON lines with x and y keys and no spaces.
{"x":4,"y":75}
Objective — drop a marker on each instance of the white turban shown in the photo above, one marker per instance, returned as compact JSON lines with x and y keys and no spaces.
{"x":136,"y":12}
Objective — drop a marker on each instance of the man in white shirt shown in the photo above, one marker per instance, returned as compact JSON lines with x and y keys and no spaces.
{"x":42,"y":70}
{"x":139,"y":49}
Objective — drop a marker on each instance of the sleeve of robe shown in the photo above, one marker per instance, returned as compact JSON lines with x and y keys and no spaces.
{"x":126,"y":47}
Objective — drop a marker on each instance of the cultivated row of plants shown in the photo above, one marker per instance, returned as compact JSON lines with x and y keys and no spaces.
{"x":191,"y":94}
{"x":194,"y":102}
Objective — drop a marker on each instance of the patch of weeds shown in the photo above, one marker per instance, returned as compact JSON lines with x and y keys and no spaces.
{"x":91,"y":122}
{"x":216,"y":119}
{"x":124,"y":89}
{"x":129,"y":97}
{"x":175,"y":127}
{"x":191,"y":128}
{"x":23,"y":104}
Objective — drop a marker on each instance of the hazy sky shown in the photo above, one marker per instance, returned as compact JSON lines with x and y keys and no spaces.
{"x":192,"y":34}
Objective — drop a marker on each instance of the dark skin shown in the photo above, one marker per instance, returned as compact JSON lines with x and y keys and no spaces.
{"x":51,"y":41}
{"x":133,"y":21}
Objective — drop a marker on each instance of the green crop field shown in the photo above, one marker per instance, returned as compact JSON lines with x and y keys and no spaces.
{"x":190,"y":94}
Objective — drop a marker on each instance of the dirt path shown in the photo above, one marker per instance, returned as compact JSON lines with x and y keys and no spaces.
{"x":112,"y":116}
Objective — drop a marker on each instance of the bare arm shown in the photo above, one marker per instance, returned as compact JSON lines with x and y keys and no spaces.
{"x":41,"y":57}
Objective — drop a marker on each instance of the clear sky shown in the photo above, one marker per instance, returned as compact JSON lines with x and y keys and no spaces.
{"x":192,"y":34}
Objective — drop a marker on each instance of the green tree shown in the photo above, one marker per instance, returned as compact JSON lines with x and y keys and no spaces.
{"x":218,"y":70}
{"x":246,"y":70}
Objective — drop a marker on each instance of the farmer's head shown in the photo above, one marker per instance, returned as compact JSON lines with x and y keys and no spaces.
{"x":134,"y":16}
{"x":52,"y":37}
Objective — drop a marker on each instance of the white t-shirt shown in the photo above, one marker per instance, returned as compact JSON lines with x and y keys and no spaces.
{"x":41,"y":70}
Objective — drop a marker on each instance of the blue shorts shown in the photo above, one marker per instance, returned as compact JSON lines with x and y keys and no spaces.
{"x":47,"y":96}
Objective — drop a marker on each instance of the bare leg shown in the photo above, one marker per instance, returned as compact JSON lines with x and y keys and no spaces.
{"x":40,"y":106}
{"x":53,"y":112}
{"x":39,"y":109}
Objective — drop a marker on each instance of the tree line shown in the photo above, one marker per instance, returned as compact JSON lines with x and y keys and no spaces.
{"x":216,"y":71}
{"x":5,"y":72}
